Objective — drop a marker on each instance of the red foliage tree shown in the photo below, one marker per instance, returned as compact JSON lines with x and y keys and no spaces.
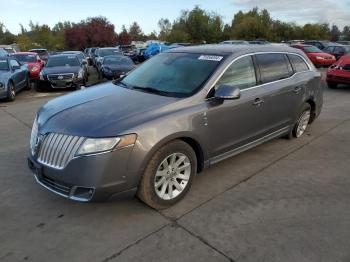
{"x":124,"y":37}
{"x":94,"y":31}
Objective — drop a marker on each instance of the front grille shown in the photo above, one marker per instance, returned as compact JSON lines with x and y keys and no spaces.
{"x":60,"y":77}
{"x":55,"y":186}
{"x":57,"y":150}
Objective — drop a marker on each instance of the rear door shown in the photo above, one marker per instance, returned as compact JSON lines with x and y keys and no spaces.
{"x":17,"y":73}
{"x":283,"y":94}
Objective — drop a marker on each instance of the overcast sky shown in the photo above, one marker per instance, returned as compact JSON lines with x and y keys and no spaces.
{"x":147,"y":13}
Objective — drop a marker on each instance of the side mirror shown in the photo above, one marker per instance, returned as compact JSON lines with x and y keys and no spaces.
{"x":15,"y":67}
{"x":227,"y":92}
{"x":84,"y":62}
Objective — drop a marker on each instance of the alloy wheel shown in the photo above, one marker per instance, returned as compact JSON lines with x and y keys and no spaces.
{"x":303,"y":123}
{"x":172,"y":176}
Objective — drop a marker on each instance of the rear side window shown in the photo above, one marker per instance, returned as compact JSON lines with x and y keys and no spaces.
{"x":240,"y":74}
{"x":298,"y":63}
{"x":273,"y":67}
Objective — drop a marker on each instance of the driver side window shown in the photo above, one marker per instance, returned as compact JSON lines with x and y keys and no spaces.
{"x":240,"y":74}
{"x":14,"y":63}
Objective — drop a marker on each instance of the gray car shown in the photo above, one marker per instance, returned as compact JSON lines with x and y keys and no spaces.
{"x":184,"y":110}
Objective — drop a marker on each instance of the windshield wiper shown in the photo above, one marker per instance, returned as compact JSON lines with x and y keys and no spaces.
{"x":151,"y":90}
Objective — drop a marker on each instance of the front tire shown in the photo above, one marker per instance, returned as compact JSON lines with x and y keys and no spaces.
{"x":169,"y":175}
{"x":11,"y":93}
{"x":332,"y":85}
{"x":303,"y":121}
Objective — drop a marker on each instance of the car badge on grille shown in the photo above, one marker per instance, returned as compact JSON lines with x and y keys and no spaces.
{"x":60,"y":77}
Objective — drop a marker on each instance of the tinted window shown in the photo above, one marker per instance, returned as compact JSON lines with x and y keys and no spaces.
{"x":339,"y":50}
{"x":312,"y":49}
{"x":173,"y":74}
{"x":63,"y":61}
{"x":26,"y":58}
{"x":273,"y":67}
{"x":14,"y":63}
{"x":240,"y":74}
{"x":3,"y":64}
{"x":298,"y":63}
{"x":329,"y":49}
{"x":106,"y":52}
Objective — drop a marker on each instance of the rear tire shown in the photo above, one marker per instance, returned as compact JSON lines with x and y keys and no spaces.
{"x":332,"y":85}
{"x":168,"y":176}
{"x":303,"y":121}
{"x":11,"y":93}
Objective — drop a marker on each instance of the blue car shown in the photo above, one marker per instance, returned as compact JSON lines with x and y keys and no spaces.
{"x":13,"y":77}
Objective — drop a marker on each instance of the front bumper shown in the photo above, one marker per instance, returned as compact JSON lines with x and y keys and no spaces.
{"x":89,"y":178}
{"x":338,"y":76}
{"x":72,"y":83}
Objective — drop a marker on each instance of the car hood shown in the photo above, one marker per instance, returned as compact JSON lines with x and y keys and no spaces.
{"x":61,"y":70}
{"x":101,"y":111}
{"x":32,"y":64}
{"x":320,"y":54}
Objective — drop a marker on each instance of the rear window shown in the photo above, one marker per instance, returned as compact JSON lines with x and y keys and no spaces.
{"x":273,"y":67}
{"x":298,"y":63}
{"x":26,"y":58}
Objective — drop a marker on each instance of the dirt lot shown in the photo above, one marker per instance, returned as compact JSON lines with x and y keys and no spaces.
{"x":286,"y":200}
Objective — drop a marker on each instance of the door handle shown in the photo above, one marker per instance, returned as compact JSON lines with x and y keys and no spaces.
{"x":297,"y":89}
{"x":258,"y":102}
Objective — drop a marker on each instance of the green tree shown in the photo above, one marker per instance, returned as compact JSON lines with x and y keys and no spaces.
{"x":165,"y":29}
{"x":135,"y":32}
{"x":346,"y":33}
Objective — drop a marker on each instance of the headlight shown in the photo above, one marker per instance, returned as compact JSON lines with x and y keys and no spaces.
{"x":99,"y":145}
{"x":80,"y":74}
{"x":319,"y":58}
{"x":34,"y":68}
{"x":41,"y":76}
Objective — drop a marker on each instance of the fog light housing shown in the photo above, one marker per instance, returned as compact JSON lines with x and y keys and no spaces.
{"x":83,"y":194}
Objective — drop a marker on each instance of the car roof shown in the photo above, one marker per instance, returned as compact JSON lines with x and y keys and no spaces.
{"x":63,"y":55}
{"x":71,"y":52}
{"x":24,"y":53}
{"x":231,"y":49}
{"x":38,"y":49}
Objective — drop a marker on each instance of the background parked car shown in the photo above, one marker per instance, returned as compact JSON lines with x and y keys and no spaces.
{"x":130,"y":51}
{"x":112,"y":67}
{"x":35,"y":64}
{"x":339,"y":73}
{"x":13,"y":77}
{"x":82,"y":59}
{"x":43,"y":53}
{"x":317,"y":56}
{"x":3,"y":52}
{"x":105,"y":51}
{"x":62,"y":71}
{"x":8,"y":48}
{"x":344,"y":42}
{"x":90,"y":54}
{"x":320,"y":44}
{"x":234,"y":42}
{"x":337,"y":50}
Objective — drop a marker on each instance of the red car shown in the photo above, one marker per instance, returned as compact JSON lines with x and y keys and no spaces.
{"x":318,"y":57}
{"x":339,"y":73}
{"x":35,"y":64}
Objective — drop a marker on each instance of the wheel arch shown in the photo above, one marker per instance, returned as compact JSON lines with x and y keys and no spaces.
{"x":312,"y":103}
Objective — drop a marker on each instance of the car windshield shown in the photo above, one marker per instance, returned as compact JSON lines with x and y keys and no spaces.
{"x":117,"y":60}
{"x":3,"y":64}
{"x":26,"y":58}
{"x":312,"y":49}
{"x":173,"y":74}
{"x":62,"y":61}
{"x":106,"y":52}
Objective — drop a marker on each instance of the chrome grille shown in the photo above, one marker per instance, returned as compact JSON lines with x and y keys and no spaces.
{"x":57,"y":150}
{"x":56,"y":77}
{"x":34,"y":137}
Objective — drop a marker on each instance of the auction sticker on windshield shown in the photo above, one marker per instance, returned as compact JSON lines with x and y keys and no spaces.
{"x":211,"y":58}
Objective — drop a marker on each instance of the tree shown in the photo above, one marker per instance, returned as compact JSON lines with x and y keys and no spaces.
{"x":94,"y":31}
{"x":346,"y":33}
{"x":135,"y":32}
{"x":335,"y":33}
{"x":165,"y":29}
{"x":5,"y":36}
{"x":124,"y":37}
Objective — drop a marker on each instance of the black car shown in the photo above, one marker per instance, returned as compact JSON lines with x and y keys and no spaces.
{"x":130,"y":51}
{"x":62,"y":71}
{"x":320,"y":44}
{"x":82,"y":59}
{"x":113,"y":67}
{"x":43,"y":53}
{"x":337,"y":50}
{"x":102,"y":52}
